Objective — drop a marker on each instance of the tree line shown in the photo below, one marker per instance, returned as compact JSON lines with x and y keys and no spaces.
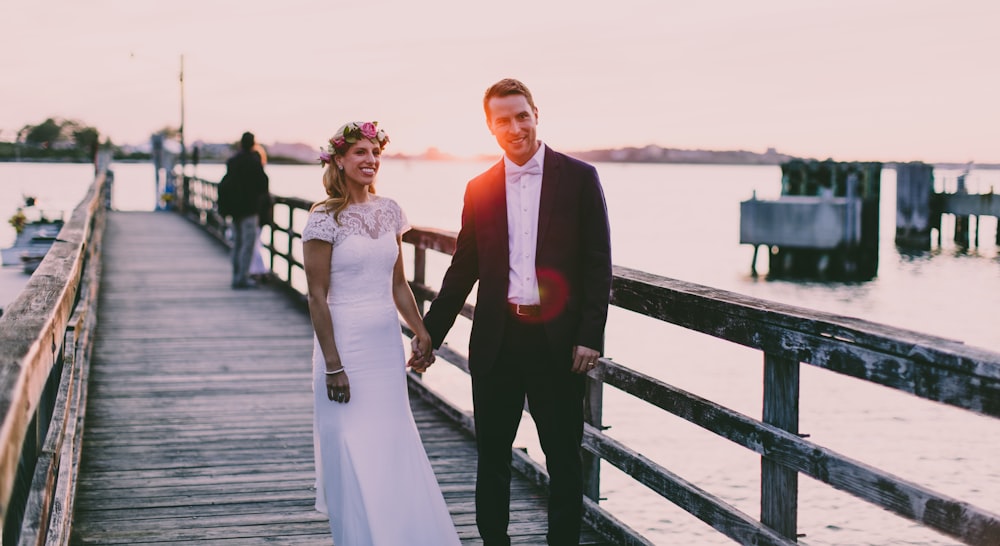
{"x":58,"y":139}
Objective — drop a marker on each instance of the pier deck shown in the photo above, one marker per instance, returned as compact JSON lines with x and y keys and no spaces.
{"x":199,"y":413}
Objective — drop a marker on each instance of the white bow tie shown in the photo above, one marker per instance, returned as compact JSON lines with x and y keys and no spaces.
{"x":515,"y":172}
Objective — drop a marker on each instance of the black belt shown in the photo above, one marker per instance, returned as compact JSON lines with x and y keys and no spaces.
{"x":521,"y":310}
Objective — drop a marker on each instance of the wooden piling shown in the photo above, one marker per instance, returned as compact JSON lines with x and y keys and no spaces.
{"x":837,"y":236}
{"x":779,"y":485}
{"x":914,"y":218}
{"x":962,"y":220}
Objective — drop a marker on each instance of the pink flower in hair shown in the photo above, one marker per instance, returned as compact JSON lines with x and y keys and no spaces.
{"x":348,"y":134}
{"x":368,"y":129}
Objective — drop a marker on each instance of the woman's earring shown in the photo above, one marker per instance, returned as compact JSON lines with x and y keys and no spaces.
{"x":341,"y":167}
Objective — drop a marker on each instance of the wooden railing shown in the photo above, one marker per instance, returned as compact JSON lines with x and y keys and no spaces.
{"x":928,"y":367}
{"x":936,"y":369}
{"x":197,"y":200}
{"x":45,"y":347}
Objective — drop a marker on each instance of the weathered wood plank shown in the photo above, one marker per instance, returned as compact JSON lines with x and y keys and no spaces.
{"x":199,"y":425}
{"x":779,"y":485}
{"x":951,"y":516}
{"x":31,"y":333}
{"x":928,"y":366}
{"x":724,"y":517}
{"x":32,"y":337}
{"x":64,"y":495}
{"x":34,"y":526}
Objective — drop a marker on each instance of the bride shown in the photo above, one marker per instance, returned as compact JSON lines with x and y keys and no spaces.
{"x":373,"y":478}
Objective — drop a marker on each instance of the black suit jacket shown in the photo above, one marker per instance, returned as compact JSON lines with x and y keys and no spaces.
{"x":572,"y":261}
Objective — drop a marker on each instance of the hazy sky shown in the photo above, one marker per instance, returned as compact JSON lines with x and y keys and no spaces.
{"x":848,"y":79}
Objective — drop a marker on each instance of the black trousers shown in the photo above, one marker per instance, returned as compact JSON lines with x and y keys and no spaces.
{"x":526,"y":367}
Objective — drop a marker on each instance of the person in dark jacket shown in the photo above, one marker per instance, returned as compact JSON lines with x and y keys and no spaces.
{"x":241,"y":191}
{"x":535,"y":236}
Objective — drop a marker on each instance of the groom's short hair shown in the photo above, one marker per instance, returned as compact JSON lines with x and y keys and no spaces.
{"x":504,"y":88}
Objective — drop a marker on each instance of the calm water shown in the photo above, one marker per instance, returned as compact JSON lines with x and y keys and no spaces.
{"x":683,"y":222}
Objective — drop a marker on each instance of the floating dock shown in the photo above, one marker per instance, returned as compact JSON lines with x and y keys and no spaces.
{"x":824,"y":224}
{"x":920,"y":210}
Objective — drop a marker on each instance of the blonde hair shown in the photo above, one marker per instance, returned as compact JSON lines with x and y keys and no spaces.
{"x":334,"y":181}
{"x":335,"y":184}
{"x":261,"y":152}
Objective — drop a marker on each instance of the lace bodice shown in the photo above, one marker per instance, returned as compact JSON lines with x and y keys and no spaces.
{"x":380,"y":215}
{"x":364,"y":253}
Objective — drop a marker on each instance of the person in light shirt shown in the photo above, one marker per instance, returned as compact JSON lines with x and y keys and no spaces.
{"x":258,"y":270}
{"x":536,"y":237}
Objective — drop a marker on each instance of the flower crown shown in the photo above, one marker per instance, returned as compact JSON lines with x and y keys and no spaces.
{"x":348,"y":134}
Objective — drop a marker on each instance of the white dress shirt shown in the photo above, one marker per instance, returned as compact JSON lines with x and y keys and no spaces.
{"x":524,"y":191}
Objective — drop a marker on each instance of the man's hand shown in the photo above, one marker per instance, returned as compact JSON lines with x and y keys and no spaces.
{"x":584,"y":359}
{"x":422,"y":355}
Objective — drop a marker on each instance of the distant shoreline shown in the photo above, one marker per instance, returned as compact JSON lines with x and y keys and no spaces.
{"x":594,"y":156}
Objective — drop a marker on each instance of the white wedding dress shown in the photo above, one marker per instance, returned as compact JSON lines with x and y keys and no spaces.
{"x":373,"y":478}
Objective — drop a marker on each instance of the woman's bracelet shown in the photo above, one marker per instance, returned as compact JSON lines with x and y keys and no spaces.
{"x":334,"y":372}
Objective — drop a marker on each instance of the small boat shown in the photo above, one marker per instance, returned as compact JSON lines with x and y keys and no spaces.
{"x":29,"y":262}
{"x":34,"y":237}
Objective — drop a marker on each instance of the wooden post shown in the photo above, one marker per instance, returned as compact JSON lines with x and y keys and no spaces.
{"x":270,"y":250}
{"x":961,"y":231}
{"x":593,"y":410}
{"x":779,"y":486}
{"x":871,"y":197}
{"x":110,"y":177}
{"x":961,"y":220}
{"x":288,"y":239}
{"x":184,"y":197}
{"x":420,"y":272}
{"x":914,"y":187}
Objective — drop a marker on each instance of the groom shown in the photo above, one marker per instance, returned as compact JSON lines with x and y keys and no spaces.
{"x":535,"y":236}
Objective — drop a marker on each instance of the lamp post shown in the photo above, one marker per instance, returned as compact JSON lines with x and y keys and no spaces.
{"x":181,"y":130}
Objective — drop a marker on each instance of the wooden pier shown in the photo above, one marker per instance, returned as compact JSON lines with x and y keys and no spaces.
{"x":199,"y":421}
{"x":920,"y":210}
{"x":142,"y":400}
{"x":824,"y":224}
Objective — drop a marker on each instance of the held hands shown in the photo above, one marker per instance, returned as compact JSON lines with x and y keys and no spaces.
{"x":422,"y":354}
{"x":584,"y":359}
